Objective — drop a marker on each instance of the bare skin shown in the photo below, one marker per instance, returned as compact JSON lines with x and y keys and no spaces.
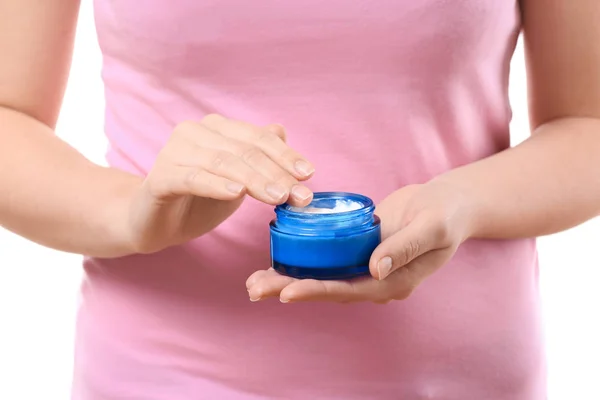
{"x":549,"y":183}
{"x":545,"y":185}
{"x":63,"y":201}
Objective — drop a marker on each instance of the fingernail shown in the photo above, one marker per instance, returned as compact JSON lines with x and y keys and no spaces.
{"x":304,"y":168}
{"x":301,"y":192}
{"x":384,"y":267}
{"x":277,"y":192}
{"x":235,"y":187}
{"x":283,"y":300}
{"x":255,"y":300}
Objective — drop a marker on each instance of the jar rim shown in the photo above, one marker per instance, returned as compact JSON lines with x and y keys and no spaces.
{"x":288,"y":220}
{"x":367,"y":206}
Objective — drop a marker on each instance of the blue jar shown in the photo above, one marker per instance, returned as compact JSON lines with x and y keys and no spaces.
{"x":332,"y":238}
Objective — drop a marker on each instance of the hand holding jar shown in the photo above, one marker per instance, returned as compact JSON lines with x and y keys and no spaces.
{"x":421,"y":228}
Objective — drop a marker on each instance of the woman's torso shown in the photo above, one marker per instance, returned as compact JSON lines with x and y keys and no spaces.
{"x":377,"y":95}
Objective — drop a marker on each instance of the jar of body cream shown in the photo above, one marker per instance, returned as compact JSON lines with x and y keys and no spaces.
{"x":332,"y":238}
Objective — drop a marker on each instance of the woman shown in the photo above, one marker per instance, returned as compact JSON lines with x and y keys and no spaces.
{"x":218,"y":110}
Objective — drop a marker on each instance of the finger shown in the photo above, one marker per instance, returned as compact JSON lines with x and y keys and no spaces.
{"x":427,"y":264}
{"x":269,"y":140}
{"x":197,"y":182}
{"x":361,"y":289}
{"x":268,"y":284}
{"x":403,"y":281}
{"x":422,"y":235}
{"x":252,"y":279}
{"x":233,"y":168}
{"x":300,"y":195}
{"x":278,"y":130}
{"x":398,"y":286}
{"x":205,"y":148}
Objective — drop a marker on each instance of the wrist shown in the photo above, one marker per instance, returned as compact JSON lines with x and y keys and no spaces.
{"x":465,"y":205}
{"x":117,"y":210}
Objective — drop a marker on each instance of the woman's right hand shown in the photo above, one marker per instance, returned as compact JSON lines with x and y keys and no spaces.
{"x":202,"y":175}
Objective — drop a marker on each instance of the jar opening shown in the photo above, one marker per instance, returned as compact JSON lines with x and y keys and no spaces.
{"x":331,"y":211}
{"x":325,"y":205}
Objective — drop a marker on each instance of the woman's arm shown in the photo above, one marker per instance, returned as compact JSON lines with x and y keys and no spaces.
{"x":49,"y":192}
{"x":550,"y":182}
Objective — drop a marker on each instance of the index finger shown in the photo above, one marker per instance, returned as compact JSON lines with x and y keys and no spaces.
{"x":277,"y":150}
{"x":269,"y":139}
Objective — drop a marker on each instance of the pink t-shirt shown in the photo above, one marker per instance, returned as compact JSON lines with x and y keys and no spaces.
{"x":377,"y":94}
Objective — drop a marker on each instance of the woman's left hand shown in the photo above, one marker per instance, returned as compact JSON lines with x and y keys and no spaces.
{"x":422,"y":227}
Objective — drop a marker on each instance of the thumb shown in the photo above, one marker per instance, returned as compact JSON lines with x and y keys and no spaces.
{"x":410,"y":242}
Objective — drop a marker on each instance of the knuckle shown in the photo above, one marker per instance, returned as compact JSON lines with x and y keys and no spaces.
{"x":212,"y":119}
{"x":442,"y":233}
{"x":188,"y":132}
{"x":259,"y":289}
{"x":156,"y":188}
{"x":251,"y":154}
{"x":220,"y":161}
{"x":404,"y":293}
{"x":276,"y":146}
{"x":278,"y":130}
{"x":414,"y":248}
{"x":185,"y":126}
{"x":266,"y":137}
{"x":161,"y":186}
{"x":282,"y":177}
{"x":184,"y":129}
{"x":191,"y":178}
{"x":409,"y":252}
{"x":288,"y":154}
{"x":285,"y":157}
{"x":255,"y":180}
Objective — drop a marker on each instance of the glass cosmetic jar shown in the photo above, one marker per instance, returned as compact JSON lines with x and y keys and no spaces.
{"x":332,"y":238}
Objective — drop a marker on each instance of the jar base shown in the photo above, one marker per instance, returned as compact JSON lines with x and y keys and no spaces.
{"x":321,"y":273}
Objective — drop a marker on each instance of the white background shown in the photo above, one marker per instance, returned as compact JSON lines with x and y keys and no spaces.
{"x":38,"y":286}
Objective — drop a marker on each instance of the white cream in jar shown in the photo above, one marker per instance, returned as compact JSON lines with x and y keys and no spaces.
{"x":339,"y":207}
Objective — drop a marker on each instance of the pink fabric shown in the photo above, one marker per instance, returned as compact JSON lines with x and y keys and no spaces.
{"x":378,"y":94}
